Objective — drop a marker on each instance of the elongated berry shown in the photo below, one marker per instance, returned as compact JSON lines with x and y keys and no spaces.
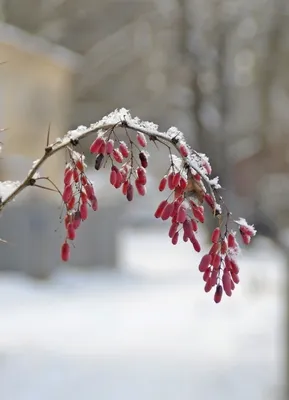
{"x":218,"y":294}
{"x":167,"y":211}
{"x":205,"y":262}
{"x":98,"y":162}
{"x":112,"y":177}
{"x":173,"y":229}
{"x":226,"y":279}
{"x":143,"y":159}
{"x":94,"y":203}
{"x":83,"y":211}
{"x":76,"y":220}
{"x":67,"y":193}
{"x":231,"y":241}
{"x":68,"y":176}
{"x":140,"y":187}
{"x":181,"y":215}
{"x":176,"y":179}
{"x":184,"y":150}
{"x":71,"y":203}
{"x":142,"y":177}
{"x":216,"y":235}
{"x":188,"y":228}
{"x":214,"y":277}
{"x":161,"y":208}
{"x":163,"y":184}
{"x":216,"y":261}
{"x":109,"y":146}
{"x":125,"y":187}
{"x":123,"y":150}
{"x":70,"y":232}
{"x":195,"y":244}
{"x":206,"y":274}
{"x":208,"y":285}
{"x":175,"y":238}
{"x":117,"y":155}
{"x":65,"y":251}
{"x":89,"y":191}
{"x":171,"y":180}
{"x":95,"y":146}
{"x":129,"y":194}
{"x":141,"y":139}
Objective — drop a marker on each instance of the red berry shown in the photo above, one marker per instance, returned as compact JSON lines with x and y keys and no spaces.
{"x":123,"y":150}
{"x":176,"y":179}
{"x":112,"y":177}
{"x":209,"y":199}
{"x":175,"y":238}
{"x":195,"y":244}
{"x":68,"y":176}
{"x":163,"y":184}
{"x":70,"y":232}
{"x":109,"y":146}
{"x":216,"y":261}
{"x":143,"y":160}
{"x":79,"y":164}
{"x":224,"y":247}
{"x":160,"y":208}
{"x":231,"y":241}
{"x":65,"y":251}
{"x":181,"y":215}
{"x":94,"y":204}
{"x":215,"y":248}
{"x":173,"y":229}
{"x":71,"y":203}
{"x":188,"y":228}
{"x":141,"y":139}
{"x":89,"y":191}
{"x":205,"y":262}
{"x":184,"y":150}
{"x":216,"y":235}
{"x":117,"y":155}
{"x":67,"y":193}
{"x":95,"y":146}
{"x":218,"y":294}
{"x":125,"y":187}
{"x":226,"y":279}
{"x":183,"y":183}
{"x":214,"y":277}
{"x":129,"y":194}
{"x":142,"y":177}
{"x":76,"y":220}
{"x":171,"y":180}
{"x":194,"y":225}
{"x":167,"y":211}
{"x":75,"y":176}
{"x":83,"y":211}
{"x":208,"y":285}
{"x":207,"y":274}
{"x":140,"y":187}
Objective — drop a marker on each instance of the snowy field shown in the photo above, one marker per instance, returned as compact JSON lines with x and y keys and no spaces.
{"x":145,"y":332}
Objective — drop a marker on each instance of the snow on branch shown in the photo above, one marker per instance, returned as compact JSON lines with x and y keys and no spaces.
{"x":187,"y":181}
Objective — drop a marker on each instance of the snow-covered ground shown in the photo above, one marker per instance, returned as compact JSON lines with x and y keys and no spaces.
{"x":145,"y":332}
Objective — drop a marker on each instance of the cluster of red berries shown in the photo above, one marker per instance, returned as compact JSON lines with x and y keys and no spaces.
{"x":121,"y":177}
{"x":183,"y":207}
{"x":219,"y":266}
{"x":78,"y":195}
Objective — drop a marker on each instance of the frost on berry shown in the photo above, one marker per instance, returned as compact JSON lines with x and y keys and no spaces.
{"x":141,"y":139}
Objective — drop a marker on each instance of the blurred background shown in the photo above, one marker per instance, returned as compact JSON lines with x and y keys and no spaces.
{"x":128,"y":317}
